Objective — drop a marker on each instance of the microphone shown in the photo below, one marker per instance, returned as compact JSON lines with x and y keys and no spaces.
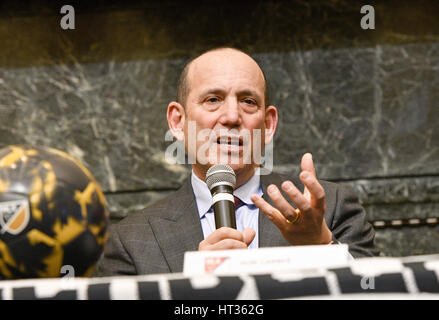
{"x":221,"y":181}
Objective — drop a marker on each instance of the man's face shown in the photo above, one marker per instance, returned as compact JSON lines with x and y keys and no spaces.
{"x":225,"y":113}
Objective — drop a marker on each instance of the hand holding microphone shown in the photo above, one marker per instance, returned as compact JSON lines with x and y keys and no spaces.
{"x":221,"y":181}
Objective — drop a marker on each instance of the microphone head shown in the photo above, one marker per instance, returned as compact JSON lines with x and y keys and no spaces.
{"x":220,"y":174}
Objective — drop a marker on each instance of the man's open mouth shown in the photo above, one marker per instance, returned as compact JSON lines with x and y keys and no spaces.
{"x":230,"y":141}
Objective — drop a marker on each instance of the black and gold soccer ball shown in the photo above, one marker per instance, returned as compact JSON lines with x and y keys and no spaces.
{"x":53,"y":214}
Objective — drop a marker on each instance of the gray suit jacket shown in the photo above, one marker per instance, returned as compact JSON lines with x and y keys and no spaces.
{"x":155,"y":239}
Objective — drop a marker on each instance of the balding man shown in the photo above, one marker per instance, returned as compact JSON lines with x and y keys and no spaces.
{"x":223,"y":92}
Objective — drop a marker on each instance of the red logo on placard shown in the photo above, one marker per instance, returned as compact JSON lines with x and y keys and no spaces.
{"x":211,"y":263}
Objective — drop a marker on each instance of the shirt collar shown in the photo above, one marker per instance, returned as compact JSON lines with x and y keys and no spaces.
{"x":204,"y":198}
{"x":202,"y":194}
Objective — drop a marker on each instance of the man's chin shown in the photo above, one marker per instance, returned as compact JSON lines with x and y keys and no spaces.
{"x":236,"y":163}
{"x":238,"y":167}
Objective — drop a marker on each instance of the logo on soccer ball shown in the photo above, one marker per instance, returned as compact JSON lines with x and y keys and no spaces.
{"x":14,"y":216}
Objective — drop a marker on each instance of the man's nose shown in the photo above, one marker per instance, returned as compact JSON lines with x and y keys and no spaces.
{"x":230,"y":113}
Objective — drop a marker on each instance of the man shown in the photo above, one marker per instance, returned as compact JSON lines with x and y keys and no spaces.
{"x":223,"y":91}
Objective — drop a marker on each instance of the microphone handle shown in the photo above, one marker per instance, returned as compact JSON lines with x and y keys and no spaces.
{"x":224,"y":209}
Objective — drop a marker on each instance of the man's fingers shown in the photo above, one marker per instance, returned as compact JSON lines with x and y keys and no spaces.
{"x":300,"y":200}
{"x":249,"y":235}
{"x":281,"y":203}
{"x":225,"y":244}
{"x":315,"y":189}
{"x":307,"y":164}
{"x":224,"y":233}
{"x":227,"y":238}
{"x":271,"y":213}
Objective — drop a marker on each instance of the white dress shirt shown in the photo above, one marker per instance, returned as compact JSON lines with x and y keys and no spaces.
{"x":246,"y":215}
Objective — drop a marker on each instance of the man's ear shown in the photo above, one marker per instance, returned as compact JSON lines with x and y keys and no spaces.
{"x":176,"y":119}
{"x":271,"y":119}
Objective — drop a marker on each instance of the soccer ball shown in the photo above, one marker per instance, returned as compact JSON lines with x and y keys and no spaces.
{"x":53,"y":214}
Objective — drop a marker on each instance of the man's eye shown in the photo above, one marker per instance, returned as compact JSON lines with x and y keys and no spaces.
{"x":250,"y":101}
{"x":212,"y":99}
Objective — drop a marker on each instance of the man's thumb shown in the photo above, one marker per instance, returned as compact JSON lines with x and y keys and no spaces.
{"x":249,"y":235}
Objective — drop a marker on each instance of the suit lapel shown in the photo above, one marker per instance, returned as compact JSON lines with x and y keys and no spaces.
{"x":177,"y":228}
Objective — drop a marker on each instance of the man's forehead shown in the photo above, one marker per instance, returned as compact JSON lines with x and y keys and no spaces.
{"x":225,"y":62}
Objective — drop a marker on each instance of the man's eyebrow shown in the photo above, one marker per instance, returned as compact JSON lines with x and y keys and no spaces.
{"x":211,"y":91}
{"x":249,"y":93}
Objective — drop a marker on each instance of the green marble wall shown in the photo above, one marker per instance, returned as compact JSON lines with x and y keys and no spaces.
{"x":364,"y":102}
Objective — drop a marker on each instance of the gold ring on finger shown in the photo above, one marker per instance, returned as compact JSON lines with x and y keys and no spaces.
{"x":294,"y":220}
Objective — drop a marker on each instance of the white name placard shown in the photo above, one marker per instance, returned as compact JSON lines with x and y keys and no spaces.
{"x":265,"y":260}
